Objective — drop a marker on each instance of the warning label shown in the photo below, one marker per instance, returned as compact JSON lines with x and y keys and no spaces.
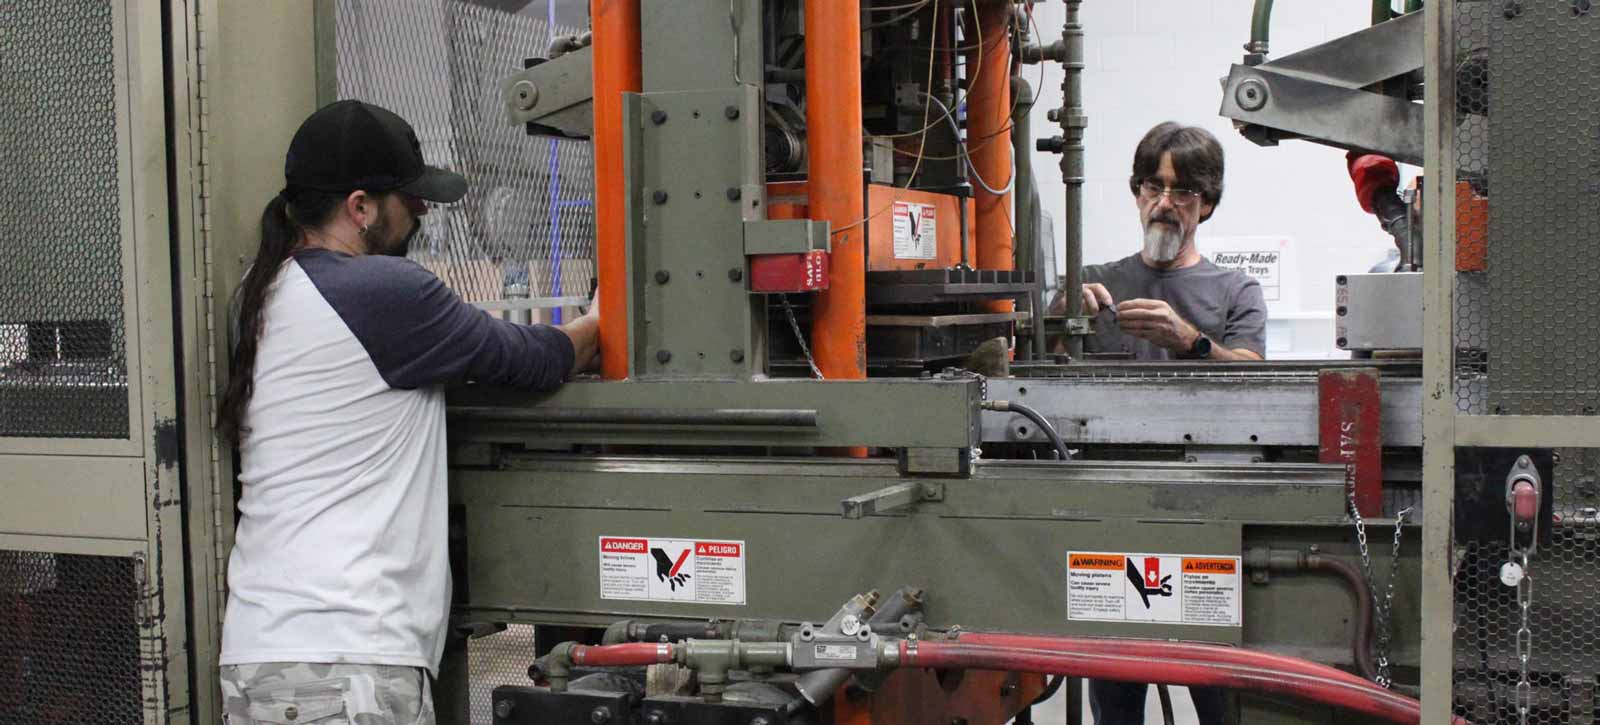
{"x":1157,"y":588}
{"x":672,"y":570}
{"x":916,"y":231}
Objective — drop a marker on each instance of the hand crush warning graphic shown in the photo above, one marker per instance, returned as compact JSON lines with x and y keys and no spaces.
{"x":1151,"y":584}
{"x":693,"y":571}
{"x":670,"y":570}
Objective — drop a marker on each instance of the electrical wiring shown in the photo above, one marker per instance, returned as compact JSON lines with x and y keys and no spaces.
{"x":967,"y":158}
{"x":889,"y":8}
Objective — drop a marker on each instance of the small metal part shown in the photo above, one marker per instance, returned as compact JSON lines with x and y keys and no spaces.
{"x":1511,"y":573}
{"x":1251,"y":94}
{"x":660,"y":196}
{"x":731,"y":113}
{"x":503,"y":708}
{"x":600,"y":715}
{"x":291,"y":713}
{"x":1512,"y":9}
{"x":656,"y":717}
{"x":736,"y":355}
{"x":734,"y":193}
{"x":735,"y":275}
{"x":663,"y":356}
{"x":526,"y":94}
{"x":662,"y":276}
{"x":658,"y":117}
{"x":850,"y":625}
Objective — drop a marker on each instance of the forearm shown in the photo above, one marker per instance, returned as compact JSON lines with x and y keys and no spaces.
{"x":1218,"y":352}
{"x":585,"y":335}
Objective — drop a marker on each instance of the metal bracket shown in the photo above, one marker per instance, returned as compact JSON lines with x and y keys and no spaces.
{"x":554,"y":97}
{"x":1079,"y":325}
{"x":899,"y":497}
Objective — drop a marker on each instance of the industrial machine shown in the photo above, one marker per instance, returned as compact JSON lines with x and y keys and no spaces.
{"x":808,"y":484}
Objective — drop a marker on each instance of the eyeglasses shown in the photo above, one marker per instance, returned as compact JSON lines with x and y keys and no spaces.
{"x":1183,"y":198}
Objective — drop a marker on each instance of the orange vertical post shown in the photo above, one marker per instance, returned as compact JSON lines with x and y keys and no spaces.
{"x":616,"y":71}
{"x":833,"y":134}
{"x":988,"y":141}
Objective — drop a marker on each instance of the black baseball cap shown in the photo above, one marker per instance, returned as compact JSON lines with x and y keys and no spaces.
{"x":351,"y":145}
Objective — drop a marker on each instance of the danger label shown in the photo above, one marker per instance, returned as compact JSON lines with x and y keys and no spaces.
{"x":672,"y":570}
{"x":916,"y":231}
{"x":1155,"y":588}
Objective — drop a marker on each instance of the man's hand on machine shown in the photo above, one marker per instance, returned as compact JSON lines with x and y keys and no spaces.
{"x":1095,"y":298}
{"x":1155,"y":321}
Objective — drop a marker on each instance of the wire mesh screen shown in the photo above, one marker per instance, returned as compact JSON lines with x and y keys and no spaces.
{"x":63,"y":363}
{"x":1472,"y":225}
{"x":1564,"y":663}
{"x":498,"y":659}
{"x":526,"y":226}
{"x":69,"y":639}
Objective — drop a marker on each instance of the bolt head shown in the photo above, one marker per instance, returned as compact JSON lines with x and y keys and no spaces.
{"x":1251,"y":95}
{"x":731,"y":113}
{"x":663,"y":356}
{"x":503,"y":708}
{"x":660,"y":196}
{"x":600,"y":715}
{"x":662,"y":276}
{"x":736,"y":355}
{"x":658,"y":117}
{"x":735,"y":275}
{"x":526,"y":94}
{"x":734,"y":193}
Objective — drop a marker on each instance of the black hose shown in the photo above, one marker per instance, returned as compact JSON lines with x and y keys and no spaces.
{"x":1006,"y":406}
{"x":1165,"y":696}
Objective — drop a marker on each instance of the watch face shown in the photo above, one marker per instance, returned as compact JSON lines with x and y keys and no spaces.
{"x":1202,"y":346}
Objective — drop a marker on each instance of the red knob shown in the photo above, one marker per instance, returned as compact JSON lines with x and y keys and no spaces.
{"x":1524,"y":501}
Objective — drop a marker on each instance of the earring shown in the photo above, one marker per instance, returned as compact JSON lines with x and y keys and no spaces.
{"x":363,"y":229}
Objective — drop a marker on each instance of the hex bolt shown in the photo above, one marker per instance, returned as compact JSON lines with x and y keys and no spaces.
{"x":600,"y":715}
{"x":731,"y":112}
{"x":662,"y":276}
{"x":503,"y":708}
{"x":1343,"y":310}
{"x":736,"y":355}
{"x":734,"y":193}
{"x":663,"y":356}
{"x":1341,"y":342}
{"x":660,"y":197}
{"x":1053,"y":115}
{"x":735,"y":274}
{"x":658,"y":117}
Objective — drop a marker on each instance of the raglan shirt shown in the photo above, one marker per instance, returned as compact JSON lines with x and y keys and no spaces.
{"x":340,"y":553}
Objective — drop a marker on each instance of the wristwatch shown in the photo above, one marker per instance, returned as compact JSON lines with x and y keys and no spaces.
{"x":1201,"y":349}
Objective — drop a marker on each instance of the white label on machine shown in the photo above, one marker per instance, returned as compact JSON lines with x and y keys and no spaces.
{"x":916,"y":231}
{"x":835,"y":652}
{"x":696,"y":571}
{"x":1156,"y":588}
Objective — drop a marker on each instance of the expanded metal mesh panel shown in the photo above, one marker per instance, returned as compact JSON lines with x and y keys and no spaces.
{"x":69,"y":639}
{"x":63,"y":364}
{"x":498,"y":659}
{"x":1562,"y":620}
{"x":527,"y":222}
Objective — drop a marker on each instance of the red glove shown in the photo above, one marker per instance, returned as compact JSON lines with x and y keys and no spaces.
{"x":1372,"y":174}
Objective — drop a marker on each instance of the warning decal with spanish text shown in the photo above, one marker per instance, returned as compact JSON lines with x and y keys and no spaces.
{"x":1154,"y":588}
{"x":694,"y":571}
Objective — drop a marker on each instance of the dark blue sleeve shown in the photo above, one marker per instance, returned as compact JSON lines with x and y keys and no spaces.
{"x":419,"y":333}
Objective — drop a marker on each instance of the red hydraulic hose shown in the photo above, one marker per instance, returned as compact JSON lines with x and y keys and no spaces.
{"x":1363,"y":697}
{"x":1192,"y":651}
{"x":622,"y":655}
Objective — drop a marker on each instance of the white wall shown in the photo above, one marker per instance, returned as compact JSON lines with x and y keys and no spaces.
{"x":1155,"y":60}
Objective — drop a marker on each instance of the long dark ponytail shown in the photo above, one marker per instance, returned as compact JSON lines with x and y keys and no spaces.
{"x":283,"y":226}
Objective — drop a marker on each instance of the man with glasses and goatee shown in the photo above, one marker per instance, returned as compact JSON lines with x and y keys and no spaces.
{"x":1168,"y":302}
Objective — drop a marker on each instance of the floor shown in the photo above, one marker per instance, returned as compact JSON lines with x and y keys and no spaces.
{"x":1054,"y":711}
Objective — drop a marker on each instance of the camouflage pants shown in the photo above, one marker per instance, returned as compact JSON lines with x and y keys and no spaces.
{"x":299,"y":693}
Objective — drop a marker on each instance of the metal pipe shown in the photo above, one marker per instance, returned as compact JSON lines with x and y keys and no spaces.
{"x":622,"y":655}
{"x":616,"y":71}
{"x":1030,"y":251}
{"x":1289,"y":560}
{"x":1073,"y":121}
{"x":837,"y":196}
{"x":1365,"y":698}
{"x":988,"y":114}
{"x":733,"y":417}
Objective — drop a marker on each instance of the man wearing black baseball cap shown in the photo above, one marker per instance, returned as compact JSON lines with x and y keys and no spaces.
{"x":339,"y":585}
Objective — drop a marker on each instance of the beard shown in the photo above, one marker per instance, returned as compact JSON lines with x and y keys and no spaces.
{"x":381,"y":238}
{"x":1163,"y":239}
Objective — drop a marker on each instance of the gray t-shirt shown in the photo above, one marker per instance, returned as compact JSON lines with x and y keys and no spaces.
{"x":1225,"y":304}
